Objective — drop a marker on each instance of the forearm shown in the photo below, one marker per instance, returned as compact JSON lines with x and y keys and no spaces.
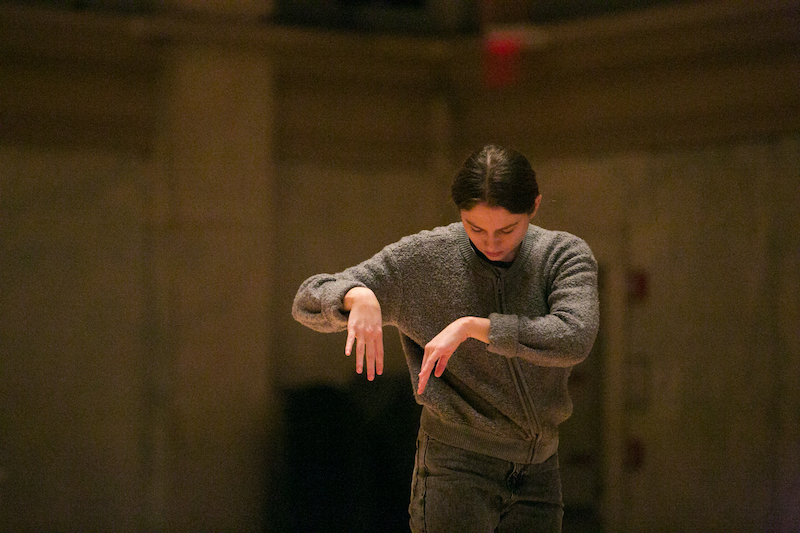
{"x":564,"y":335}
{"x":558,"y":341}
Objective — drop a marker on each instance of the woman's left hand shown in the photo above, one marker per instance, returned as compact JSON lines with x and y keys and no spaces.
{"x":442,"y":346}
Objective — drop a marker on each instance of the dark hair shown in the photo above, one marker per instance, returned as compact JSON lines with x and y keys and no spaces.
{"x":498,"y":177}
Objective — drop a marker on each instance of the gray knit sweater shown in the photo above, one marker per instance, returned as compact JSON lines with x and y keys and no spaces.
{"x":505,"y":399}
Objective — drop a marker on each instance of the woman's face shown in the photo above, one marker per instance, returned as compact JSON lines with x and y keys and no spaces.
{"x":495,"y":231}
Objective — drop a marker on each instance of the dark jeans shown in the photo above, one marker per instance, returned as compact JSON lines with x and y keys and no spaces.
{"x":461,"y":491}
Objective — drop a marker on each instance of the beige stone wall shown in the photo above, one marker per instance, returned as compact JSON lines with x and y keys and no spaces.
{"x":72,"y":349}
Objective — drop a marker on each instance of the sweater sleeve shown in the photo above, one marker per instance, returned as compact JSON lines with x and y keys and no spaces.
{"x":564,"y":336}
{"x":318,"y":303}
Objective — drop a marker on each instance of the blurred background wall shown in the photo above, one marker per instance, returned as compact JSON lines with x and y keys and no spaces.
{"x":171,"y":171}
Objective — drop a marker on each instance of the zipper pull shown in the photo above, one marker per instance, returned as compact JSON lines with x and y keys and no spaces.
{"x":499,"y":281}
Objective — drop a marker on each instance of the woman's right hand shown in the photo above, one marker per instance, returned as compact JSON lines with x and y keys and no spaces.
{"x":365,"y":330}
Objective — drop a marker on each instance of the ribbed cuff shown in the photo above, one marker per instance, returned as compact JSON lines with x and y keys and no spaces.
{"x":503,"y":334}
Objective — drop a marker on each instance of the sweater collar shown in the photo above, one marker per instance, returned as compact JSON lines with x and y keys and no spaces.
{"x":482,"y":267}
{"x":498,"y":264}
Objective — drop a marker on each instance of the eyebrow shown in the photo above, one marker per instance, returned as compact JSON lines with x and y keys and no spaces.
{"x":501,"y":229}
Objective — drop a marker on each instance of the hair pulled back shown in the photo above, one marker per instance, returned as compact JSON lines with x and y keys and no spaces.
{"x":498,"y":177}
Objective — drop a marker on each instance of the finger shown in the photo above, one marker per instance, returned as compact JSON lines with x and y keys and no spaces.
{"x":379,"y":355}
{"x":370,"y":353}
{"x":440,"y":365}
{"x":425,"y":371}
{"x":429,"y":360}
{"x":423,"y":382}
{"x":348,"y":345}
{"x":360,"y":348}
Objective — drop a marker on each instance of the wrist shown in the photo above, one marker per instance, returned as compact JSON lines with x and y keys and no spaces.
{"x":355,"y":296}
{"x":476,"y":328}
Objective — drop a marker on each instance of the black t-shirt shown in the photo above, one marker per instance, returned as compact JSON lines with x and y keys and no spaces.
{"x":498,"y":264}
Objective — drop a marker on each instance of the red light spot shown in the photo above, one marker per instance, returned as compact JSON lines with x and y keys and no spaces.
{"x":502,"y":61}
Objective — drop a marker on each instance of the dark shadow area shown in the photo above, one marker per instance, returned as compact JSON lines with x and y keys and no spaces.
{"x":406,"y":17}
{"x":581,"y":520}
{"x":349,"y":457}
{"x":549,"y":11}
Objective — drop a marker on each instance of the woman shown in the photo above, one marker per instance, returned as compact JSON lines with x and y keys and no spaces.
{"x":493,"y":312}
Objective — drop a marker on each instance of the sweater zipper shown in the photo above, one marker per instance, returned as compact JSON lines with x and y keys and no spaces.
{"x":519,"y":381}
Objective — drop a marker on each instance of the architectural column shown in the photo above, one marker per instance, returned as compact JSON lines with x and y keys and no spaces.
{"x":210,"y":228}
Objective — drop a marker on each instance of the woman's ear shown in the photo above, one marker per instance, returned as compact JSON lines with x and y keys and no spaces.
{"x":536,"y":206}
